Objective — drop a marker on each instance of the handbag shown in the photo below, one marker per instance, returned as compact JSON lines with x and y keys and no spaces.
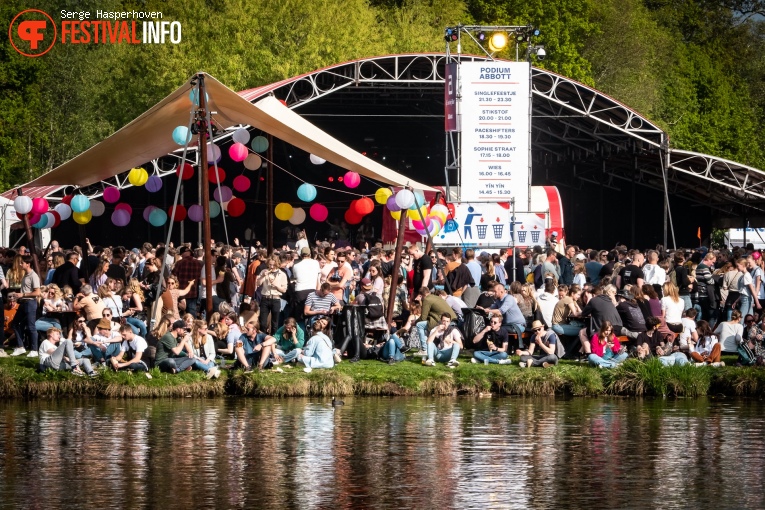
{"x":122,"y":319}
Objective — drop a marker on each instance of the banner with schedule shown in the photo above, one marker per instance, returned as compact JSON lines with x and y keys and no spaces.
{"x":495,"y":131}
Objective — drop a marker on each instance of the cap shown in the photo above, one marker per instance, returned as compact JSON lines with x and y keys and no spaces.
{"x":554,"y":233}
{"x":579,"y":256}
{"x":104,"y":324}
{"x":625,"y":294}
{"x":179,"y":324}
{"x":366,"y":282}
{"x":305,"y":251}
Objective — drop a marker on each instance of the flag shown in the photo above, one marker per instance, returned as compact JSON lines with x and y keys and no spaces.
{"x":698,"y":234}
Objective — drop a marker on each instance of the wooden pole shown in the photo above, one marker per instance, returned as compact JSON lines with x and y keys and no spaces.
{"x":396,"y":267}
{"x":270,"y":196}
{"x":205,"y":198}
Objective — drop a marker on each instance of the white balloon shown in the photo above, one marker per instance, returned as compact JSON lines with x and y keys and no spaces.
{"x":97,"y":208}
{"x":22,"y":204}
{"x":298,"y":216}
{"x":404,"y":199}
{"x":241,"y":135}
{"x":63,"y":210}
{"x":213,"y":153}
{"x":316,"y":160}
{"x":253,"y":162}
{"x":51,"y":220}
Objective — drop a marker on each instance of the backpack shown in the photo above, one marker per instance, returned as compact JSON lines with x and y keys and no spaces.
{"x":374,"y":306}
{"x":474,"y":323}
{"x":746,"y":355}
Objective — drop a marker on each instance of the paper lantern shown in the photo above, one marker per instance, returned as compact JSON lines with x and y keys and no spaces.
{"x":82,"y":218}
{"x":215,"y":178}
{"x":39,"y":205}
{"x":235,"y":207}
{"x":238,"y":152}
{"x":391,"y":204}
{"x":318,"y":212}
{"x":404,"y":199}
{"x":180,"y":213}
{"x":352,"y":218}
{"x":352,"y":179}
{"x":147,"y":212}
{"x":241,"y":135}
{"x":33,"y":218}
{"x":418,"y":225}
{"x":125,"y":207}
{"x":80,"y":204}
{"x":194,"y":96}
{"x":154,"y":184}
{"x":259,"y":144}
{"x":396,"y":215}
{"x":283,"y":211}
{"x":22,"y":204}
{"x":214,"y":209}
{"x":181,"y":135}
{"x":63,"y":210}
{"x":196,"y":213}
{"x":97,"y":208}
{"x":67,"y":199}
{"x":417,"y":214}
{"x":298,"y":216}
{"x":157,"y":217}
{"x":316,"y":160}
{"x":138,"y":176}
{"x":184,"y":171}
{"x":253,"y":162}
{"x":50,"y":219}
{"x":419,"y":199}
{"x":120,"y":218}
{"x":213,"y":153}
{"x":111,"y":195}
{"x":364,"y":206}
{"x":241,"y":183}
{"x":41,"y":222}
{"x":222,"y":194}
{"x":56,"y":219}
{"x":306,"y":192}
{"x":382,"y":195}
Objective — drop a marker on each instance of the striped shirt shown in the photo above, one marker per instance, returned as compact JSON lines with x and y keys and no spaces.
{"x":316,"y":302}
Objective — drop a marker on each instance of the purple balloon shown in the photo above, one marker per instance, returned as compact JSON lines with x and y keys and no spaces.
{"x":224,"y":195}
{"x":153,"y":185}
{"x":120,"y":217}
{"x":196,"y":213}
{"x":391,"y":204}
{"x":147,"y":212}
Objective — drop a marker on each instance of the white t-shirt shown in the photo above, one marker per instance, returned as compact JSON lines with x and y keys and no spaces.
{"x":689,"y":326}
{"x":300,"y":244}
{"x":306,"y":274}
{"x":758,"y":272}
{"x":42,"y":351}
{"x":673,"y":311}
{"x":743,"y":284}
{"x":138,"y":344}
{"x":654,"y":274}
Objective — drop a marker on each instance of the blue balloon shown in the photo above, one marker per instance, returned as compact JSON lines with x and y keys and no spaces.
{"x":157,"y":217}
{"x":42,"y":223}
{"x":181,"y":135}
{"x":194,"y":96}
{"x":306,"y":192}
{"x":419,"y":200}
{"x":80,"y":204}
{"x":214,"y":209}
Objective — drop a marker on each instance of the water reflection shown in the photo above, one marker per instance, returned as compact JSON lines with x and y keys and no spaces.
{"x":382,"y":453}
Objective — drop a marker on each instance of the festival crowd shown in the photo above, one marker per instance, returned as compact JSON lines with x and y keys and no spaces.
{"x":112,"y":308}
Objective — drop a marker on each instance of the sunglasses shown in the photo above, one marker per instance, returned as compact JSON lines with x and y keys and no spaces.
{"x":81,"y":321}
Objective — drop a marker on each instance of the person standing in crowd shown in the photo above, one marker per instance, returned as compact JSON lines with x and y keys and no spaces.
{"x":307,"y":276}
{"x":423,"y":268}
{"x":24,"y":322}
{"x":273,"y":284}
{"x":459,"y":277}
{"x":433,"y":309}
{"x":593,"y":267}
{"x":67,"y":273}
{"x":188,"y":269}
{"x":705,"y":286}
{"x":653,"y":273}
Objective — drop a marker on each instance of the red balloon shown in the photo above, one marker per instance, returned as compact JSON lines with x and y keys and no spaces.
{"x":241,"y":183}
{"x":364,"y":206}
{"x":180,"y":212}
{"x":58,"y":219}
{"x":352,"y":218}
{"x":123,"y":205}
{"x":236,"y":207}
{"x":67,"y":199}
{"x":213,"y":178}
{"x":185,"y":171}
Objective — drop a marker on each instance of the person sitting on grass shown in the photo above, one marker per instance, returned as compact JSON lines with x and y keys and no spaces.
{"x":318,"y":352}
{"x":131,"y":352}
{"x":605,"y":348}
{"x":494,"y":337}
{"x":505,"y":306}
{"x":449,"y":342}
{"x":59,"y":355}
{"x":174,"y":351}
{"x":669,"y":352}
{"x":203,"y":346}
{"x":254,"y":348}
{"x":648,"y":340}
{"x":547,"y":341}
{"x":433,"y":309}
{"x":289,"y":339}
{"x":705,"y":351}
{"x":394,"y":348}
{"x":105,"y":343}
{"x":233,"y":334}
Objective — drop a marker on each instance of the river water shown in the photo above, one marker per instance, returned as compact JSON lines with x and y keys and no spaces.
{"x":383,"y":453}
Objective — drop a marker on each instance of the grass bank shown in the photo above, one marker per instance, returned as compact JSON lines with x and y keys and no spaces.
{"x":19,"y":379}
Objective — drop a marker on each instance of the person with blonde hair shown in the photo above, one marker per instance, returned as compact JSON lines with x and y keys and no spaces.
{"x":672,"y":308}
{"x":203,"y":346}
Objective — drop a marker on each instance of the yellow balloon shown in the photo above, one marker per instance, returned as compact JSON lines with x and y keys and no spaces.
{"x":382,"y":195}
{"x":82,"y":217}
{"x":138,"y":176}
{"x":283,"y":211}
{"x":396,"y":215}
{"x":414,"y":214}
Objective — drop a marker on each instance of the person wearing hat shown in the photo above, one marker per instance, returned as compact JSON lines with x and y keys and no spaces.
{"x":307,"y":276}
{"x":174,"y":350}
{"x":105,"y":343}
{"x":546,"y":341}
{"x":633,"y":320}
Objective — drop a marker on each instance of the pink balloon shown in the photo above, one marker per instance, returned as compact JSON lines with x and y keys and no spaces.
{"x":39,"y":206}
{"x":225,"y":194}
{"x":241,"y":183}
{"x":318,"y":212}
{"x":111,"y":195}
{"x":33,"y":218}
{"x":125,"y":206}
{"x":196,"y":213}
{"x":147,"y":212}
{"x":352,"y":179}
{"x":238,"y":152}
{"x":120,"y":217}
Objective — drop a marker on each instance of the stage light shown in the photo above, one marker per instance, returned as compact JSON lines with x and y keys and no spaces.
{"x":450,"y":35}
{"x":481,"y":36}
{"x":497,"y":41}
{"x":536,"y":32}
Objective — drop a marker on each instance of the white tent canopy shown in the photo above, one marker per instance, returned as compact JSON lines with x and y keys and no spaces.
{"x":150,"y":137}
